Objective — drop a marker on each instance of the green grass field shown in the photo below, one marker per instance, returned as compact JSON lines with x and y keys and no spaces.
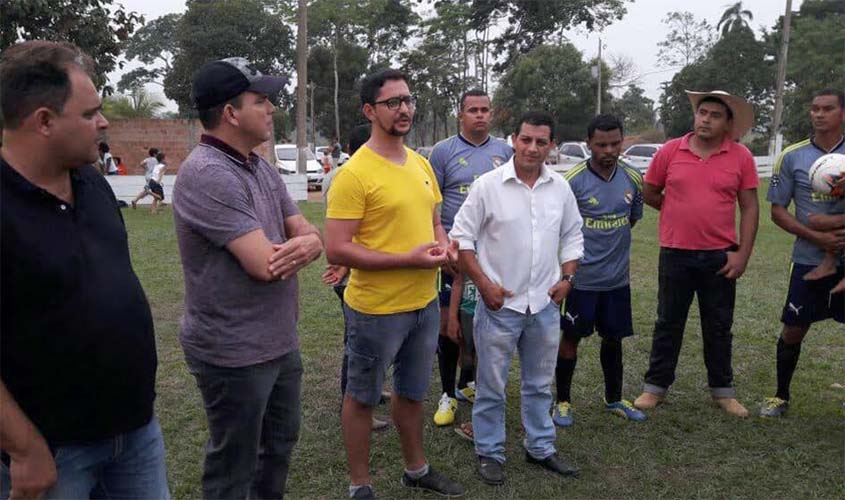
{"x":686,"y":449}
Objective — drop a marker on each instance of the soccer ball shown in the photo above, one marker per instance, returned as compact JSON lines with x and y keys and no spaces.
{"x":826,"y":174}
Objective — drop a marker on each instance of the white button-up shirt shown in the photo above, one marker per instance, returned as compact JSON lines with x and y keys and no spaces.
{"x":521,"y":235}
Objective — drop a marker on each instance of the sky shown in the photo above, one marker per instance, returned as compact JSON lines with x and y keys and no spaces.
{"x":635,"y":36}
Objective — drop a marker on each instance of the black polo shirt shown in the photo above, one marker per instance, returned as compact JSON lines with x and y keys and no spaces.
{"x":77,"y":349}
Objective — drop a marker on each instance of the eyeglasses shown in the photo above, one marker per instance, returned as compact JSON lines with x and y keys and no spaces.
{"x":394,"y":102}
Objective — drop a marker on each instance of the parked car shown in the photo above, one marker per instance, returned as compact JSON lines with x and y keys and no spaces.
{"x":425,"y":151}
{"x":570,"y":154}
{"x":343,"y":156}
{"x":639,"y":155}
{"x":286,"y":163}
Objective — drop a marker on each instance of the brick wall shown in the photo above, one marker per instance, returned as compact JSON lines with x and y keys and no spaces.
{"x":131,"y":140}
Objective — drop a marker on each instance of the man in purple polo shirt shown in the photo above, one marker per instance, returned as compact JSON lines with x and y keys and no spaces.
{"x":242,"y":241}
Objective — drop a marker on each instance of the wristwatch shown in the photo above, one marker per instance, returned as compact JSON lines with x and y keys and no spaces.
{"x":568,"y":278}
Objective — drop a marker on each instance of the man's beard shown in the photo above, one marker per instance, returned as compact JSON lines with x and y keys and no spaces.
{"x":392,"y":130}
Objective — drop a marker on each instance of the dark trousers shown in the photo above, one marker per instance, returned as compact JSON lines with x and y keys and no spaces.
{"x":343,"y":369}
{"x":682,"y":274}
{"x":253,"y":417}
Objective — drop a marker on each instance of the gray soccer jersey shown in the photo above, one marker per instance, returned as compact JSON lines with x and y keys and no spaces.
{"x":791,"y":182}
{"x":607,"y":207}
{"x":457,"y":162}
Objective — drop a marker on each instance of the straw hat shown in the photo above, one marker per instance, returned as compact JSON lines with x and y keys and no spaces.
{"x":743,"y":112}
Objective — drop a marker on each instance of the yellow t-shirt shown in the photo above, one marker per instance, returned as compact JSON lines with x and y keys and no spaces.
{"x":395,"y":204}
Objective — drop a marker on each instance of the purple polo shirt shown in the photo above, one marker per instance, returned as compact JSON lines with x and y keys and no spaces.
{"x":231,"y":319}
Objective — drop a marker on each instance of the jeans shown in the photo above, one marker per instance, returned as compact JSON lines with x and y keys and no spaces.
{"x":683,"y":273}
{"x":536,"y":336}
{"x":406,"y":340}
{"x":253,"y":417}
{"x":129,"y":465}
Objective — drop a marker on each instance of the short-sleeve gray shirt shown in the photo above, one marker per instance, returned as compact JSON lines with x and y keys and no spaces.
{"x":231,"y":319}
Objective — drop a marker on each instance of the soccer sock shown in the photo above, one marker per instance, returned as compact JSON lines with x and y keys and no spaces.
{"x":563,"y":377}
{"x":467,"y":375}
{"x":787,"y":360}
{"x":416,"y":474}
{"x":611,"y":365}
{"x":447,"y":358}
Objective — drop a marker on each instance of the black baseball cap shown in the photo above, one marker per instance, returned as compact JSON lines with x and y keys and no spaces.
{"x":218,"y":81}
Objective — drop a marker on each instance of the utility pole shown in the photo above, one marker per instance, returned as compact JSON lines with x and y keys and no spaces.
{"x":774,"y":146}
{"x":598,"y":72}
{"x":301,"y":82}
{"x":311,"y":86}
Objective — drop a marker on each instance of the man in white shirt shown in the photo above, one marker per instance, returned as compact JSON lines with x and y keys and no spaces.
{"x":519,"y":234}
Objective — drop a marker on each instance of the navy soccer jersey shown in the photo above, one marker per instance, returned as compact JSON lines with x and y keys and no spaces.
{"x":791,"y":182}
{"x":607,"y":207}
{"x":457,"y":163}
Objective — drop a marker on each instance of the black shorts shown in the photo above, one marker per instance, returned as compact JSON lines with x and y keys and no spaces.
{"x":156,"y":188}
{"x":467,"y":322}
{"x":811,"y":301}
{"x":608,"y":312}
{"x":445,"y":289}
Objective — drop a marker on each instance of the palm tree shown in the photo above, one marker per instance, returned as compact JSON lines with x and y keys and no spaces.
{"x":138,"y":104}
{"x":733,"y":18}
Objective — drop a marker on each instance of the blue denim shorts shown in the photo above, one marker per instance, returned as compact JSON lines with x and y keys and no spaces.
{"x":407,"y":340}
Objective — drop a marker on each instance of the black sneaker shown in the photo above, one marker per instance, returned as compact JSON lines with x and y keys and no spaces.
{"x":364,"y":493}
{"x":491,"y":471}
{"x":555,"y":464}
{"x":434,"y":482}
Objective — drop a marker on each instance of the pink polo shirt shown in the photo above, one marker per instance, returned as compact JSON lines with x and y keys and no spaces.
{"x":699,"y":204}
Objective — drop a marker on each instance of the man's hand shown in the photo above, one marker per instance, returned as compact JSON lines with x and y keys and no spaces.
{"x":559,"y":291}
{"x":452,"y":257}
{"x":734,"y":267}
{"x":494,"y":295}
{"x":334,"y":274}
{"x":830,"y":241}
{"x":826,"y":222}
{"x":453,"y":329}
{"x":33,"y":471}
{"x":294,"y":254}
{"x":427,"y":256}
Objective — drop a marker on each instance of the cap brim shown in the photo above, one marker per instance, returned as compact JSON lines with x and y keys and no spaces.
{"x":270,"y":86}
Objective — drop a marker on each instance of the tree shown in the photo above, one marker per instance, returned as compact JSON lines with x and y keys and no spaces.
{"x":154,"y":44}
{"x":531,"y":23}
{"x":551,"y":78}
{"x":381,"y":27}
{"x":351,"y":66}
{"x":816,"y":60}
{"x":138,"y":104}
{"x":734,"y":18}
{"x":634,"y":109}
{"x":228,"y":28}
{"x":687,"y":41}
{"x":737,"y":63}
{"x":98,"y":27}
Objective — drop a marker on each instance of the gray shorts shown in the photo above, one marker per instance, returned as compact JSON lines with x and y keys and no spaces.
{"x":408,"y":341}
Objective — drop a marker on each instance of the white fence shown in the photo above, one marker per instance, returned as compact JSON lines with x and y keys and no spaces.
{"x":765,"y":164}
{"x":127,"y":187}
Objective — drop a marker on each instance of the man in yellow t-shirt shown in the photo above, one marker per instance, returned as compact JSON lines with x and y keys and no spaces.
{"x":382,"y":222}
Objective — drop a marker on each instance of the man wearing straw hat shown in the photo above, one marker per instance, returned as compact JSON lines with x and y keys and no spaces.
{"x":696,"y":181}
